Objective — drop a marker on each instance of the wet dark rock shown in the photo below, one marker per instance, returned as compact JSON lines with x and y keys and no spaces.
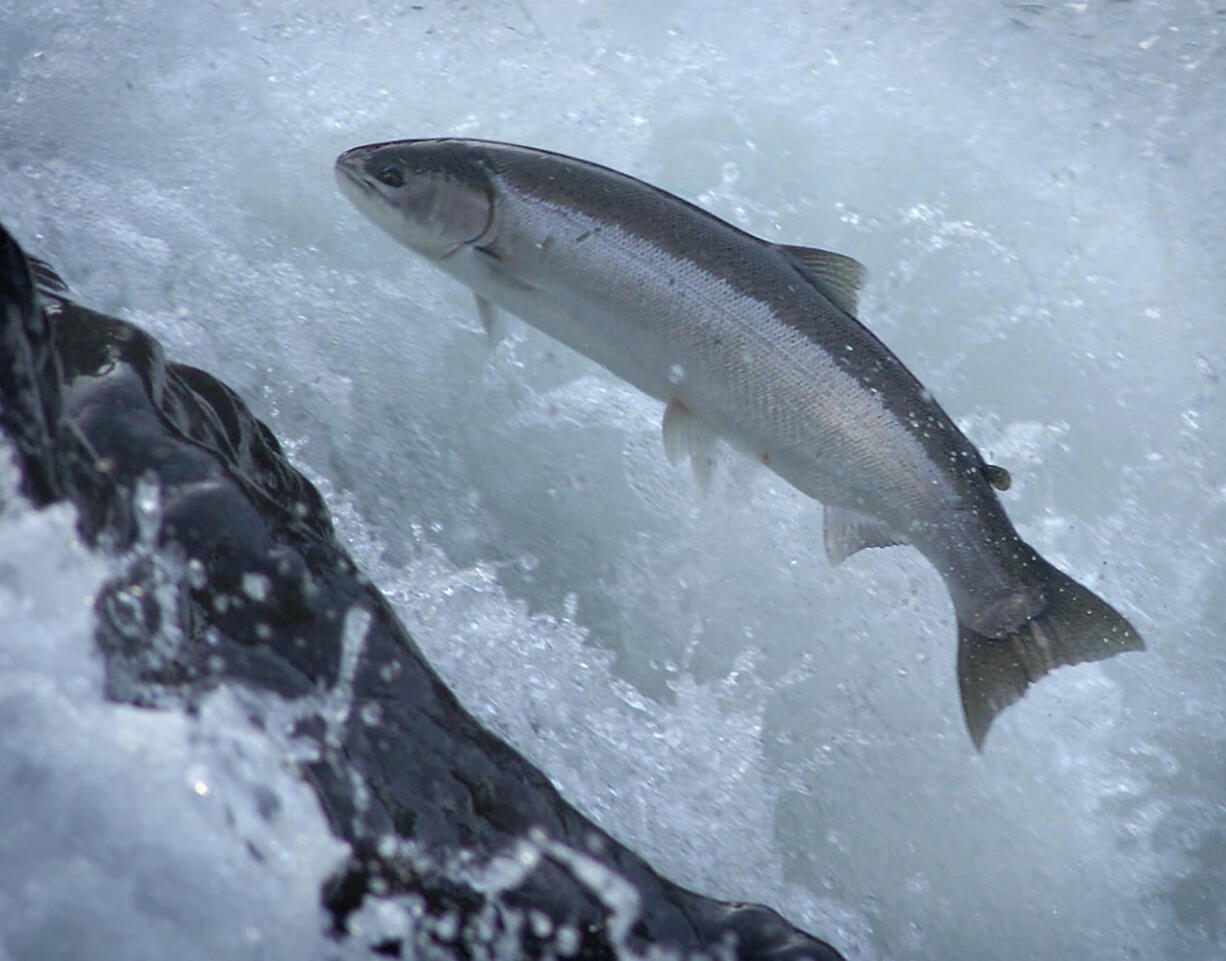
{"x":165,"y":462}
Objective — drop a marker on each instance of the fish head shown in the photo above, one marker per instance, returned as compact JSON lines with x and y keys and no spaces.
{"x":433,"y":196}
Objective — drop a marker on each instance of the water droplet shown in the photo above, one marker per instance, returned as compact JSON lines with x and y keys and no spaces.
{"x":197,"y":575}
{"x":147,"y":504}
{"x":567,"y":941}
{"x":542,"y":926}
{"x":371,"y":714}
{"x":388,"y":846}
{"x":447,"y":927}
{"x":256,"y":586}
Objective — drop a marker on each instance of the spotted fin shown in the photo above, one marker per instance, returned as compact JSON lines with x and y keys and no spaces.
{"x":848,"y":531}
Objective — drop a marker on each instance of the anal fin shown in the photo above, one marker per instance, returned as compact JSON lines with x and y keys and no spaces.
{"x":848,"y":531}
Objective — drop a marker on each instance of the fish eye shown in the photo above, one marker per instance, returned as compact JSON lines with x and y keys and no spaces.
{"x":391,"y":176}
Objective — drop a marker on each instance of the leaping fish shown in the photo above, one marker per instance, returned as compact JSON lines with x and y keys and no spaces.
{"x":756,"y":342}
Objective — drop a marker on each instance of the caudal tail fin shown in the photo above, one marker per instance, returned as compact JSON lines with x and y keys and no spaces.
{"x":1074,"y":625}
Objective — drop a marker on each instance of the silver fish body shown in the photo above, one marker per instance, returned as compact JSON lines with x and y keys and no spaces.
{"x":755,"y":342}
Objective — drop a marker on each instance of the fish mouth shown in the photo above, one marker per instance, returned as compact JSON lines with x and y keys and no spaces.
{"x":349,"y":169}
{"x":355,"y":185}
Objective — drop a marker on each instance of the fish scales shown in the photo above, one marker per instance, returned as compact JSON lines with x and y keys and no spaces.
{"x":730,"y":344}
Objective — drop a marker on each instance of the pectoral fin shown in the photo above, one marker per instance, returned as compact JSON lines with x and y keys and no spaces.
{"x":687,"y":436}
{"x":848,"y":531}
{"x":492,"y":320}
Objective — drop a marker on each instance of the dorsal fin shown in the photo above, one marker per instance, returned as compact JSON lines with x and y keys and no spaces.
{"x":840,"y":277}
